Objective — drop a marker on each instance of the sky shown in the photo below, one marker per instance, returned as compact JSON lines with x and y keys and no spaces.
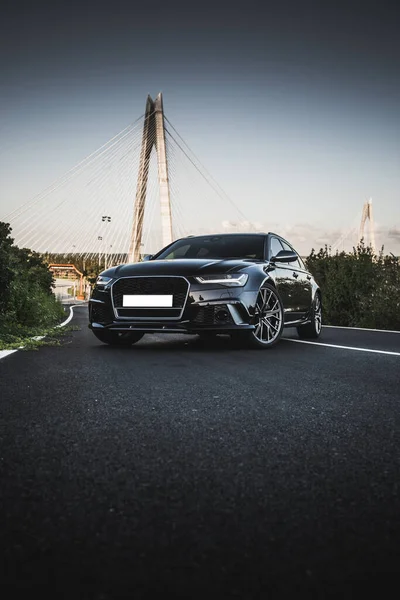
{"x":294,"y":107}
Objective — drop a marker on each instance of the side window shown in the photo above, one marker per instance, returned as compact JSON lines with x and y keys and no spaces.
{"x":295,"y":263}
{"x":276,"y":246}
{"x":286,"y":246}
{"x":302,"y":265}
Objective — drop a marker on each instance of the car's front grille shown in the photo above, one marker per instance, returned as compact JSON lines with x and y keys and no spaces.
{"x":177,"y":287}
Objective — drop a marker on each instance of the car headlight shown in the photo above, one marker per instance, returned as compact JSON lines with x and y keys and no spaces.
{"x":101,"y":280}
{"x":231,"y":280}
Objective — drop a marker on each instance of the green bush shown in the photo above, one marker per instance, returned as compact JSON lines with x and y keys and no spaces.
{"x":27,"y":304}
{"x":6,"y":272}
{"x":359,"y":289}
{"x":32,"y":306}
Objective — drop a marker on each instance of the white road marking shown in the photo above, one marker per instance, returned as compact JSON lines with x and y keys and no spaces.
{"x":361,"y":329}
{"x":71,"y":314}
{"x":343,"y":347}
{"x":4,"y":353}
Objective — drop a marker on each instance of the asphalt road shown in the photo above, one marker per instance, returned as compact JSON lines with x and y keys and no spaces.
{"x":177,"y":468}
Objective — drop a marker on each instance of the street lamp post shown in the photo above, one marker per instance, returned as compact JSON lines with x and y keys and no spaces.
{"x":105,"y":219}
{"x":99,"y":239}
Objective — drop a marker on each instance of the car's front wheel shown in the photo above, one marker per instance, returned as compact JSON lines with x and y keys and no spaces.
{"x":268,"y":319}
{"x":313,"y":329}
{"x":118,"y":338}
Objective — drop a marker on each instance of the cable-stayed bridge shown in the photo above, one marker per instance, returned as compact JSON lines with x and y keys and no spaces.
{"x":359,"y":230}
{"x":130,"y":198}
{"x":113,"y":201}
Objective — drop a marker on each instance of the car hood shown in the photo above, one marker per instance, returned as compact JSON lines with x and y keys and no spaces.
{"x":180,"y":267}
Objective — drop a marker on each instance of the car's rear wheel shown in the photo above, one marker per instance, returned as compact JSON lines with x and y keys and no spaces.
{"x":312,"y":330}
{"x":118,"y":338}
{"x":268,"y":320}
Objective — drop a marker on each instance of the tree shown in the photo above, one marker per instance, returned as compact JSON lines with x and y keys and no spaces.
{"x":359,"y":289}
{"x":26,"y":284}
{"x":6,"y":272}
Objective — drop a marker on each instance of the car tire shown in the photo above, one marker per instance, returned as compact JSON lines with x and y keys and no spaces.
{"x":268,"y":320}
{"x":118,"y":338}
{"x":312,"y":330}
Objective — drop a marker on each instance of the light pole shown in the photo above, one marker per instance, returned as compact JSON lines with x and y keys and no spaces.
{"x":100,"y":239}
{"x":105,"y":219}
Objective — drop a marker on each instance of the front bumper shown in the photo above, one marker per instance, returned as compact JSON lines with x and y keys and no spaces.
{"x":218,"y":309}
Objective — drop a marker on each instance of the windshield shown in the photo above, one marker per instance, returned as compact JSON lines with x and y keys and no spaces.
{"x":224,"y":246}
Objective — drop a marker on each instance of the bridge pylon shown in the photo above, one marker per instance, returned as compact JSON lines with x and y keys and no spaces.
{"x":367,"y":214}
{"x":153,"y":135}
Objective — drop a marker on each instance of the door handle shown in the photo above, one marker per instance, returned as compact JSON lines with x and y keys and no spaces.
{"x":295,"y":275}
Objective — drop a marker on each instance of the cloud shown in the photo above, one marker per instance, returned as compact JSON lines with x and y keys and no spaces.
{"x":305,"y":236}
{"x":394,"y":232}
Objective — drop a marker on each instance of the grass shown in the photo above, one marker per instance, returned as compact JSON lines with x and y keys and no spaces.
{"x":14,"y":335}
{"x":28,"y":339}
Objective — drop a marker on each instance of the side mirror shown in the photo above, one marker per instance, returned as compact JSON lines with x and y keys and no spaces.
{"x":284,"y":256}
{"x":147,"y":257}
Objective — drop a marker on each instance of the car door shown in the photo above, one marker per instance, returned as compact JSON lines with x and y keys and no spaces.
{"x":303,"y":283}
{"x":286,"y":284}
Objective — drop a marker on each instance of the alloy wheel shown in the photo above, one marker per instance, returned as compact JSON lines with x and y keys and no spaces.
{"x":268,"y":316}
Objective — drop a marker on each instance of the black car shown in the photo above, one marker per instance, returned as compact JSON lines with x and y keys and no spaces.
{"x":249,"y":286}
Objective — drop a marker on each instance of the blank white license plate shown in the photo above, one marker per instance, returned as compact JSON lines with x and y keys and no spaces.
{"x":149,"y":301}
